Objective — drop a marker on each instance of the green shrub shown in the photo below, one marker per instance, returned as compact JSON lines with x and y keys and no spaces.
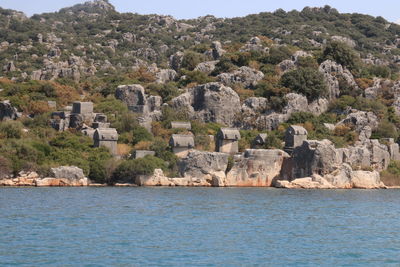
{"x":139,"y":134}
{"x":342,"y":54}
{"x":306,"y":81}
{"x":128,"y":170}
{"x":391,"y":176}
{"x":11,"y":129}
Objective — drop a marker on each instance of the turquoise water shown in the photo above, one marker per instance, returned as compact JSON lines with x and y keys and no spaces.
{"x":198,"y":227}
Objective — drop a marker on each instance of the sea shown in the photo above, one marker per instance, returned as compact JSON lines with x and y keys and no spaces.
{"x":198,"y":227}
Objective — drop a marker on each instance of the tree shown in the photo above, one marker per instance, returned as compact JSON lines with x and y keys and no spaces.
{"x":342,"y":54}
{"x":306,"y":81}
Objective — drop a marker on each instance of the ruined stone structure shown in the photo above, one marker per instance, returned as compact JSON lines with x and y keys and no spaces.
{"x":260,"y":140}
{"x":181,"y":144}
{"x":84,"y":109}
{"x":294,"y":137}
{"x":181,"y":125}
{"x":137,"y":154}
{"x":228,"y":140}
{"x":106,"y":137}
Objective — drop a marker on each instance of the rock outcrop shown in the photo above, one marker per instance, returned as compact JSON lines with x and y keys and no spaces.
{"x":332,"y":72}
{"x":62,"y":176}
{"x":212,"y":102}
{"x":200,"y":164}
{"x":257,"y":113}
{"x":245,"y":76}
{"x":148,"y":107}
{"x":258,"y":167}
{"x":7,"y":111}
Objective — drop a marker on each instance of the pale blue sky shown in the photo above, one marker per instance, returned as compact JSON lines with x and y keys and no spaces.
{"x":388,"y":9}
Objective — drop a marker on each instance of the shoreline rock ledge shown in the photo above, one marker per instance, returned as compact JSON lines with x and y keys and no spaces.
{"x":65,"y":176}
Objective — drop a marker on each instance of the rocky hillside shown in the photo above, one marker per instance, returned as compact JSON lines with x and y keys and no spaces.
{"x":336,"y":75}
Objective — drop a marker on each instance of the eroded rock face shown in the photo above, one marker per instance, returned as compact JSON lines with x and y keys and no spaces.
{"x":362,"y":122}
{"x":332,"y":71}
{"x":206,"y":67}
{"x":165,"y":75}
{"x":159,"y":179}
{"x":258,"y":167}
{"x":313,"y":157}
{"x":217,"y":51}
{"x":257,"y":114}
{"x":132,"y":95}
{"x":67,"y":172}
{"x":246,"y":76}
{"x":7,"y":111}
{"x":199,"y":163}
{"x":62,"y":176}
{"x":212,"y":102}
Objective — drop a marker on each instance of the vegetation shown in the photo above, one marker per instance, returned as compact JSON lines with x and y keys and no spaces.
{"x":116,"y":49}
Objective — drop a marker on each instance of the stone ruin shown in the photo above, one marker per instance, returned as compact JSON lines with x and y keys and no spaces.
{"x":294,"y":137}
{"x":94,"y":125}
{"x":181,"y":144}
{"x":106,"y":137}
{"x":228,"y":140}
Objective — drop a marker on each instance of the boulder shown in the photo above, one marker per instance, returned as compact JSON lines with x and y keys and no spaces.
{"x":331,"y":72}
{"x":313,"y":157}
{"x":246,"y":76}
{"x":366,"y":180}
{"x":165,"y":75}
{"x":254,"y":44}
{"x":67,"y":172}
{"x":217,"y":51}
{"x":258,"y":167}
{"x":175,"y":61}
{"x":362,"y":122}
{"x":133,"y":95}
{"x":7,"y":111}
{"x":199,"y":163}
{"x":159,"y":179}
{"x":206,"y":67}
{"x":304,"y":183}
{"x":212,"y":102}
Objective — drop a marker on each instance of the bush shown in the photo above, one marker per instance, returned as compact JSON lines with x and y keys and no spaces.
{"x":391,"y":177}
{"x":191,"y":60}
{"x":306,"y":81}
{"x":11,"y":129}
{"x":140,"y":134}
{"x":385,"y":129}
{"x":128,"y":170}
{"x":342,"y":54}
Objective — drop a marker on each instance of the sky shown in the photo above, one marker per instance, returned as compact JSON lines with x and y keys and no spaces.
{"x":184,"y":9}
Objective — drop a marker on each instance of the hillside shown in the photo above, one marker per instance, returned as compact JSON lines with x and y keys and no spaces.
{"x":336,"y":75}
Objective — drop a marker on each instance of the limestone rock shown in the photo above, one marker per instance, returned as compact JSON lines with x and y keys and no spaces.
{"x":332,"y":71}
{"x":175,"y":61}
{"x":366,"y":180}
{"x":132,"y":95}
{"x":212,"y":102}
{"x":217,"y":50}
{"x":304,"y":183}
{"x":199,"y":163}
{"x":206,"y":67}
{"x":246,"y":76}
{"x":362,"y":122}
{"x":159,"y":179}
{"x":258,"y":167}
{"x":313,"y":157}
{"x":166,"y":75}
{"x":67,"y":172}
{"x":7,"y":111}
